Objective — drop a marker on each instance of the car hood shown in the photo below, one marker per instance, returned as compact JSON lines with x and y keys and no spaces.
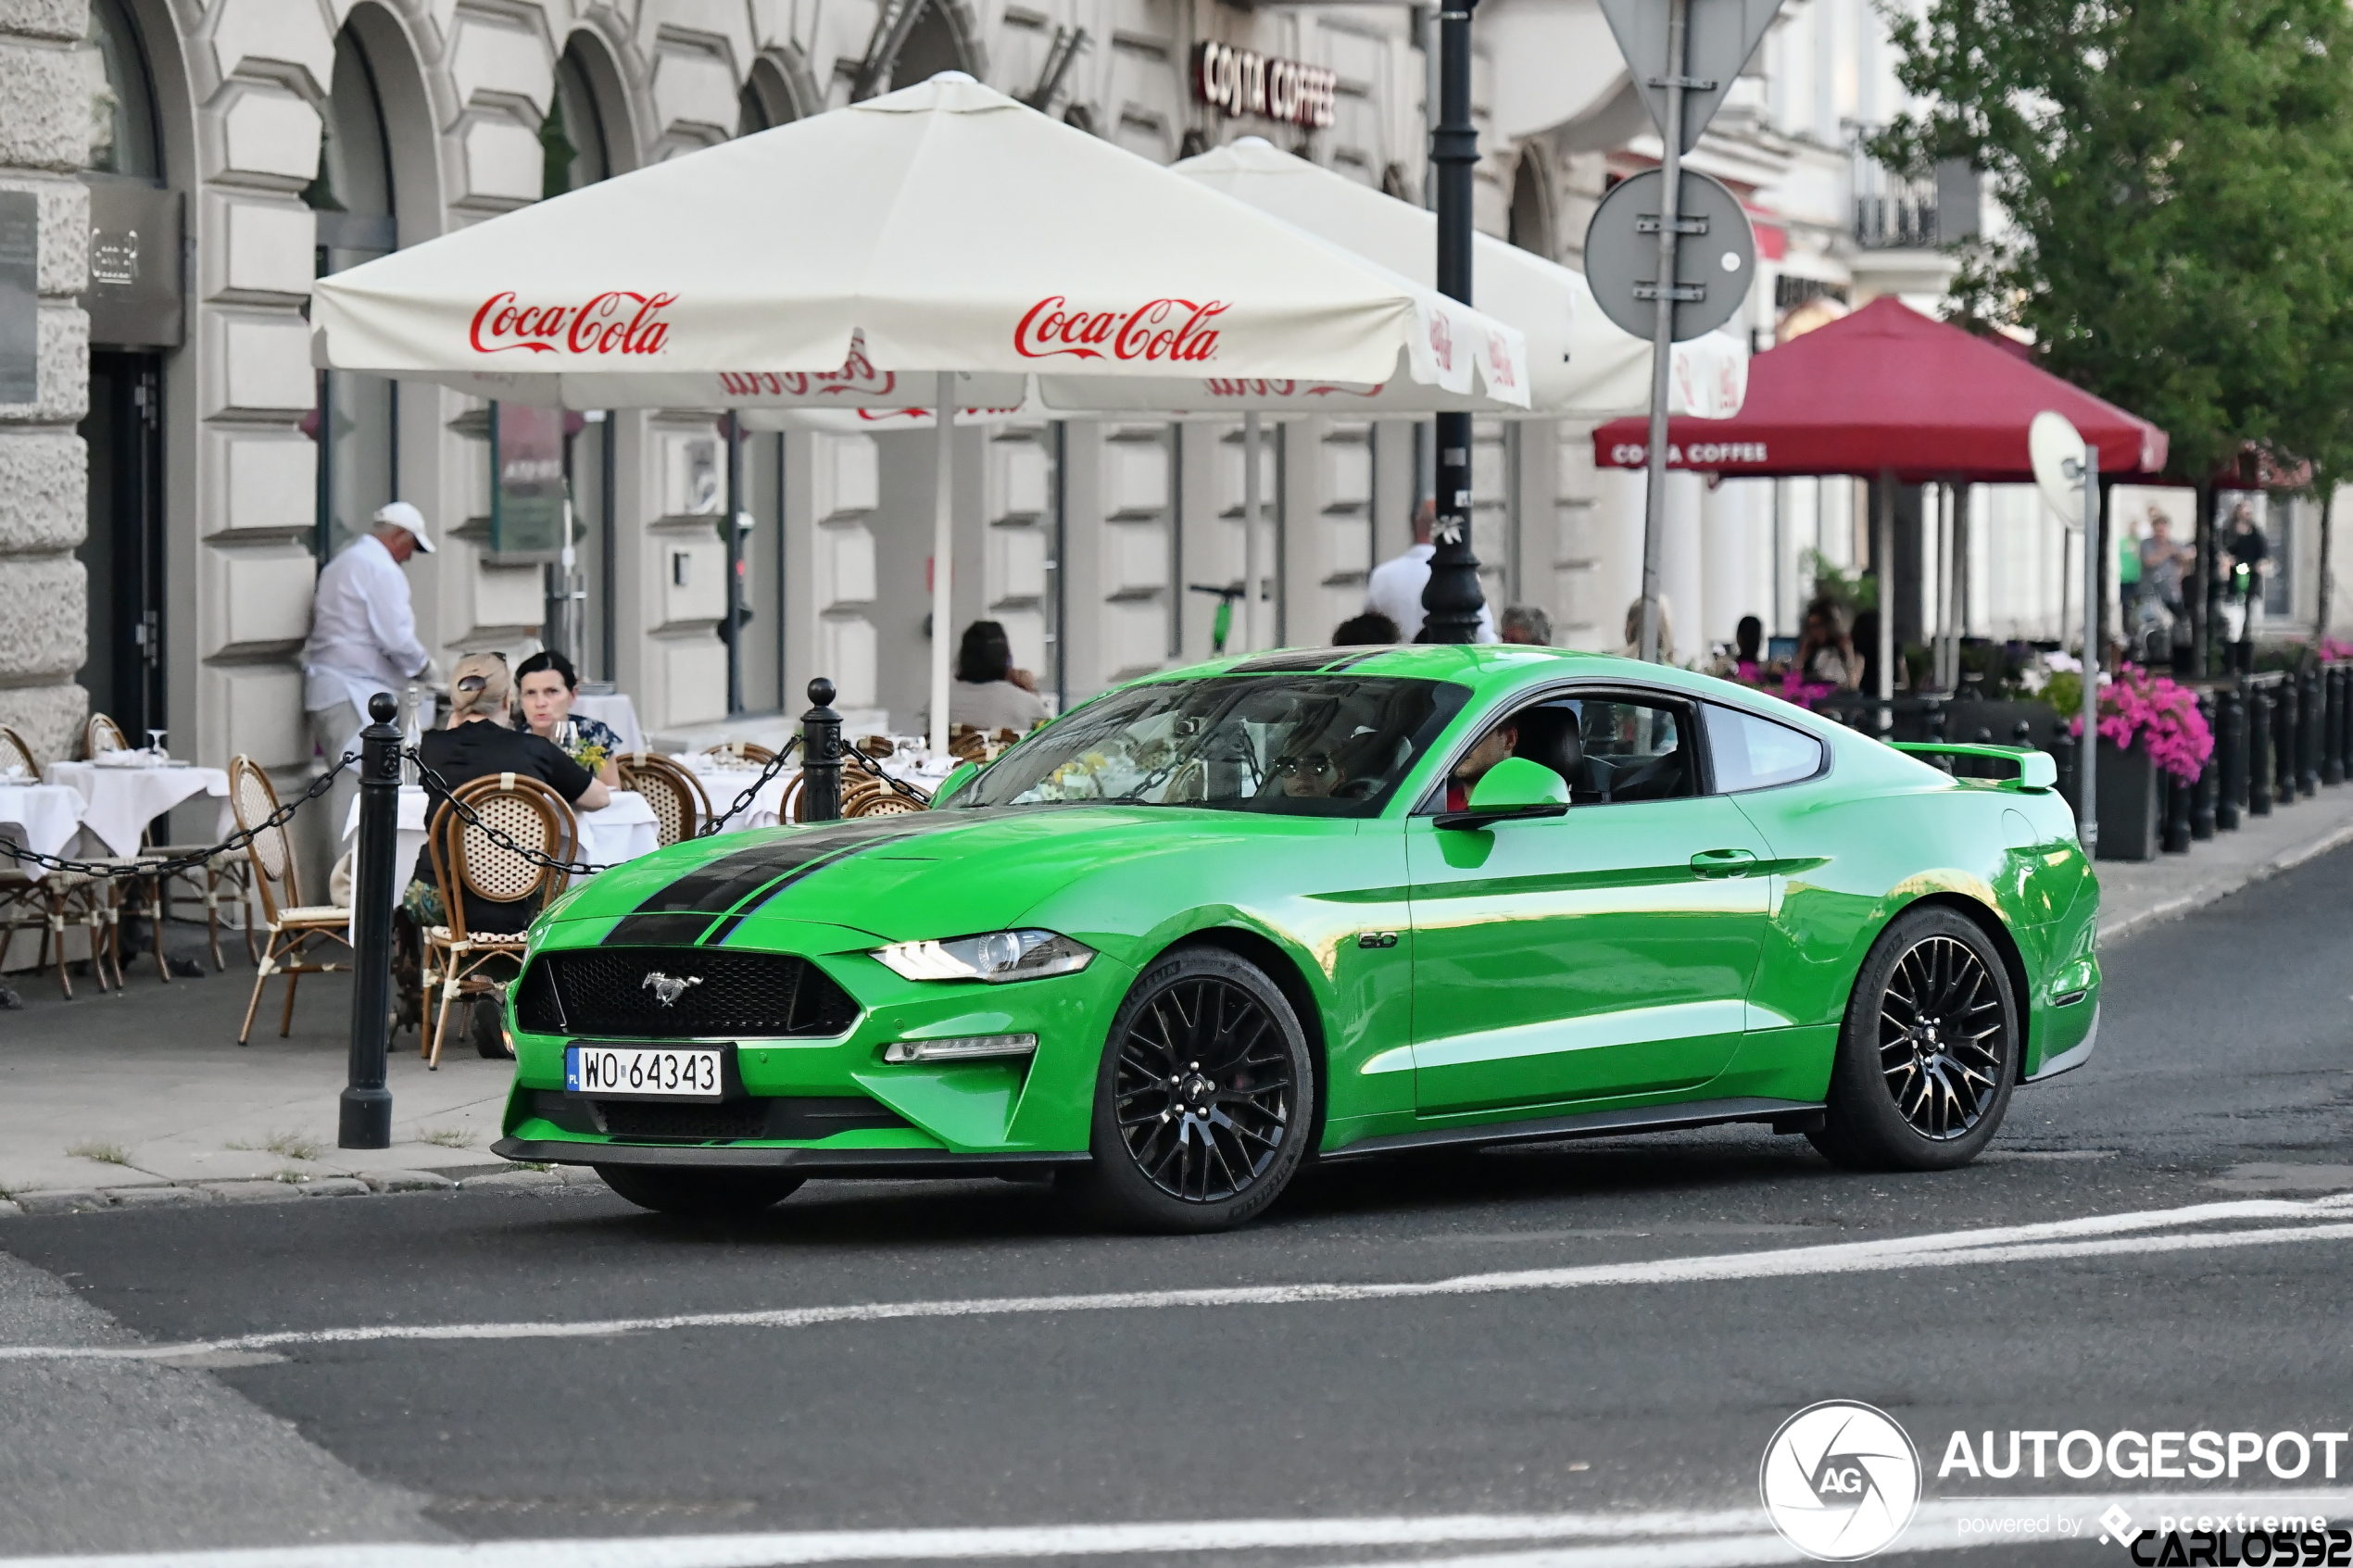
{"x":917,"y":875}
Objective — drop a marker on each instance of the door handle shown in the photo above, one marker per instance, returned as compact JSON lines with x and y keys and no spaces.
{"x":1723,"y":862}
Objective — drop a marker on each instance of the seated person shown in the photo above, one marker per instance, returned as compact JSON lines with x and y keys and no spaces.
{"x":1371,"y":629}
{"x":1492,"y":748}
{"x":546,"y":685}
{"x":1311,"y":776}
{"x":480,"y":743}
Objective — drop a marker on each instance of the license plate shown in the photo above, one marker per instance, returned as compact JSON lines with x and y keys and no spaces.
{"x":658,"y":1072}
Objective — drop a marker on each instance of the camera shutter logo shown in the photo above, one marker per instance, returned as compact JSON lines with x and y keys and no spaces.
{"x":1839,"y":1481}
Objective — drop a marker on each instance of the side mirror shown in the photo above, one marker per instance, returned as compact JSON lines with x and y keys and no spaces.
{"x":962,"y":775}
{"x":1512,"y":789}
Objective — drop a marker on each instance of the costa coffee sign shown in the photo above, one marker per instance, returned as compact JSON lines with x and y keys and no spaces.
{"x":616,"y":322}
{"x":1240,"y":82}
{"x":1175,"y":331}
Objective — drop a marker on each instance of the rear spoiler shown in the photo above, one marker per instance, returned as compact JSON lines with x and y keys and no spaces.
{"x":2037,"y":770}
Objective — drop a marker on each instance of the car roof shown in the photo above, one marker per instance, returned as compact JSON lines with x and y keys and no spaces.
{"x":1484,"y":667}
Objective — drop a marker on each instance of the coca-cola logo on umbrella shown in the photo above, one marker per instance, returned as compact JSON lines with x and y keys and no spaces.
{"x":857,"y":375}
{"x":1441,"y":340}
{"x":1158,"y":329}
{"x":616,"y":322}
{"x":1217,"y":388}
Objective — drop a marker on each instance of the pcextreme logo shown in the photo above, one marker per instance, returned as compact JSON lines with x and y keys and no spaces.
{"x":1839,"y":1481}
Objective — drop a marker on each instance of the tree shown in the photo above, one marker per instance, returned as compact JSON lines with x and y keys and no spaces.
{"x":2178,"y":176}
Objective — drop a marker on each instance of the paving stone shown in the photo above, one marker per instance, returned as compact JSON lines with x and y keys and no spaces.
{"x":254,"y":1192}
{"x":153,"y":1197}
{"x":332,"y":1186}
{"x":60,"y":1201}
{"x":408,"y":1181}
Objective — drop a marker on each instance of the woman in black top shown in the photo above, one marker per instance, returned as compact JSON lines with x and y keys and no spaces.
{"x":477,"y":744}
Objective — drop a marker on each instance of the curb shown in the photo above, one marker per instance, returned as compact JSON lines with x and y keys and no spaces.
{"x":2214,"y":892}
{"x":367,"y":1183}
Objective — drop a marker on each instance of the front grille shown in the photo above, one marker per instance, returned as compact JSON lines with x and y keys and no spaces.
{"x":786,"y":1118}
{"x":603,"y":992}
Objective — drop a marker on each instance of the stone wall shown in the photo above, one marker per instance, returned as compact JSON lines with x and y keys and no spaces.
{"x":44,"y":116}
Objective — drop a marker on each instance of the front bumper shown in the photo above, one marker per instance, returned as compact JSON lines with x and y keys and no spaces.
{"x":932,"y":1117}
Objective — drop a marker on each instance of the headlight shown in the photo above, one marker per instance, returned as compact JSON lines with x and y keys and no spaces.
{"x":999,"y":956}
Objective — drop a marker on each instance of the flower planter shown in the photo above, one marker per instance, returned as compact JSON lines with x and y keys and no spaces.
{"x":2132,"y":803}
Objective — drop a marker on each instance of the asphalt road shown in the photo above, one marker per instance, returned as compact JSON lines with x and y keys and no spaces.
{"x":1654,"y":1325}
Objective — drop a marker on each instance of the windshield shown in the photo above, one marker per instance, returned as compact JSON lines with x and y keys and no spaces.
{"x":1304,"y":745}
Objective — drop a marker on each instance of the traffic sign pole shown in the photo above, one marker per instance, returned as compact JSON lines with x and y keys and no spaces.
{"x":1663,"y":332}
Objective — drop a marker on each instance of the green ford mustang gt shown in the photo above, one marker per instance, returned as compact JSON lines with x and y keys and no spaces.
{"x":1325,"y":904}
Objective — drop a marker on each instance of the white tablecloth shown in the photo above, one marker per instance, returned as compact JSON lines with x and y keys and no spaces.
{"x":723,"y":784}
{"x":118,"y":803}
{"x":42,"y":817}
{"x":618,"y":713}
{"x":622,"y":831}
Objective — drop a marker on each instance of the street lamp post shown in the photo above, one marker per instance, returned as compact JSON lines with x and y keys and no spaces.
{"x":1451,"y":599}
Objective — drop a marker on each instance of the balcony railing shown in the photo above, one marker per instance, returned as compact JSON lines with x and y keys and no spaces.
{"x":1893,"y":212}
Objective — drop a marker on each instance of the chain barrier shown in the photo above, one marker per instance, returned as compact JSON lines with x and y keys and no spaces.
{"x":472,"y":819}
{"x":194,"y":859}
{"x":775,"y":765}
{"x":874,"y":771}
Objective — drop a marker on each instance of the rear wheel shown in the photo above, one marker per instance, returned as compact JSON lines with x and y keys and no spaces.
{"x":1929,"y":1053}
{"x":699,"y":1194}
{"x":1204,"y":1098}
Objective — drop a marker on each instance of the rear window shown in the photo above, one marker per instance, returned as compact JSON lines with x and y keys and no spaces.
{"x":1753,"y":753}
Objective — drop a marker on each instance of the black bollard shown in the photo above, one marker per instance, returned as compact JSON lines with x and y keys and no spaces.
{"x":2209,"y":777}
{"x":2344,"y":717}
{"x":821,"y":756}
{"x":2064,"y":747}
{"x":2309,"y":723}
{"x":2175,"y":798}
{"x":2332,"y":726}
{"x":2229,"y":740}
{"x":364,"y":1117}
{"x":2258,"y":750}
{"x":2283,"y":706}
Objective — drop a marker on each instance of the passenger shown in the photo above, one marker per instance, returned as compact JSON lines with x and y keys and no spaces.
{"x":1371,"y":629}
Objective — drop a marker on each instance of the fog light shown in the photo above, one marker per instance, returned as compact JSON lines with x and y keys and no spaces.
{"x":962,"y":1048}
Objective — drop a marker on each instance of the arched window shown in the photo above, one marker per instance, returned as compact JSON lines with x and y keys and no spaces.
{"x":1531,"y":220}
{"x":123,"y":100}
{"x":356,"y":423}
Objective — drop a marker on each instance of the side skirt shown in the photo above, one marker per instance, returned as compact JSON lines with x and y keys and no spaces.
{"x":899,"y":1162}
{"x":1797,"y":1114}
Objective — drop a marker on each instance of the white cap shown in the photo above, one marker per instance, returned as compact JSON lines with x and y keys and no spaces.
{"x":400,"y":514}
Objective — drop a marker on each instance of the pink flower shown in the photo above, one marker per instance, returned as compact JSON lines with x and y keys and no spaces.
{"x":2159,"y":711}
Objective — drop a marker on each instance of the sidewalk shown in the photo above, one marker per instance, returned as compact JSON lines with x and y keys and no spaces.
{"x":145,"y":1097}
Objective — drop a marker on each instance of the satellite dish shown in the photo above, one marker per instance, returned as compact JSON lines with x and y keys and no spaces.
{"x":2057,"y":451}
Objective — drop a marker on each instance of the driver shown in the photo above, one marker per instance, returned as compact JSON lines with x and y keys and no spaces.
{"x":1492,"y":748}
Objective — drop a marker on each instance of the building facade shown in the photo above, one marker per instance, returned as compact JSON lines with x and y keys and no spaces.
{"x":176,"y":470}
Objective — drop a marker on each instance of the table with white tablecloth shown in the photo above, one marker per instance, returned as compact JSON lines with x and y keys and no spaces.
{"x":121,"y":799}
{"x":723,"y":782}
{"x":39,"y":816}
{"x":621,"y":831}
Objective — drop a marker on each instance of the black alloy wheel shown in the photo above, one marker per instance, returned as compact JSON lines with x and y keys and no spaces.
{"x":1929,"y":1054}
{"x":1203,"y":1105}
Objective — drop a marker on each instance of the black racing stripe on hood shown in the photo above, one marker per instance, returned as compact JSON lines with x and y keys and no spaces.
{"x":686,"y":910}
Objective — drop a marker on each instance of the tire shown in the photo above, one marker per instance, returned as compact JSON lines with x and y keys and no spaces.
{"x":1201,"y":1031}
{"x":485,"y":1018}
{"x":704,"y":1194}
{"x":1929,"y":1053}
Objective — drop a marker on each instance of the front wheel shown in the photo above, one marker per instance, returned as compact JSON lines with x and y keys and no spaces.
{"x":703,"y":1195}
{"x":1928,"y":1052}
{"x":1205,"y":1098}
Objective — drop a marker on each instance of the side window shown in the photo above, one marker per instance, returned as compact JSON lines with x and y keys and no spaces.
{"x":1610,"y":749}
{"x":1753,"y":753}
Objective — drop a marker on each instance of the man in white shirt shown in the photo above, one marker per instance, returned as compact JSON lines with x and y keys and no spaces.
{"x":1395,"y":588}
{"x":363,"y":638}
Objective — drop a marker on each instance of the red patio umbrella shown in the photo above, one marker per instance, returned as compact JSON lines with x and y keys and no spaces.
{"x":1889,"y":390}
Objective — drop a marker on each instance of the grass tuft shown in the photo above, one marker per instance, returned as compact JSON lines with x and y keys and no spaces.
{"x":105,"y":1153}
{"x":447,"y":1137}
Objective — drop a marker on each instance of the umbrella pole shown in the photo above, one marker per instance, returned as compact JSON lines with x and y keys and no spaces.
{"x":1947,"y":652}
{"x":2087,"y":810}
{"x":1253,"y":567}
{"x":1883,"y":567}
{"x":943,"y":545}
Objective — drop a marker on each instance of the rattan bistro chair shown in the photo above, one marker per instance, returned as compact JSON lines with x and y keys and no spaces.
{"x":49,"y":903}
{"x":295,"y":929}
{"x":679,"y":805}
{"x":100,"y":735}
{"x":469,"y":866}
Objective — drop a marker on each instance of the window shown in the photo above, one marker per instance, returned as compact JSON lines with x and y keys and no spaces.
{"x":1296,"y":747}
{"x":1612,"y":750}
{"x":1753,"y":753}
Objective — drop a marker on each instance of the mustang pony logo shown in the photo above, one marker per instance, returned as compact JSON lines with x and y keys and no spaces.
{"x":607,"y":324}
{"x":1157,"y":330}
{"x":668,"y":988}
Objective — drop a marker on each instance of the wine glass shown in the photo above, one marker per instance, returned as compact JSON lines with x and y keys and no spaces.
{"x":154,"y":743}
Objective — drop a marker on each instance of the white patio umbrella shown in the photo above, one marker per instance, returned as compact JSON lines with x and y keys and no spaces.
{"x":941,"y":230}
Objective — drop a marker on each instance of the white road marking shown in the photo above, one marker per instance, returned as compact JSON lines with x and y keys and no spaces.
{"x":1729,"y":1538}
{"x":2090,"y":1236}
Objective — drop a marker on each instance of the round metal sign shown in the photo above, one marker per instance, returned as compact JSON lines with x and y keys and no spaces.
{"x":1715,"y":259}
